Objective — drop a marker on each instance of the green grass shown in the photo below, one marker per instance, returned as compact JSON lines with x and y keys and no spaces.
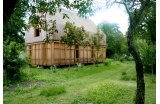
{"x":108,"y":92}
{"x":113,"y":83}
{"x":52,"y":91}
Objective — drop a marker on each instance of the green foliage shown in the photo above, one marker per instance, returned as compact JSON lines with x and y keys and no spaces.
{"x":14,"y":28}
{"x":29,"y":60}
{"x":12,"y":62}
{"x":147,"y":26}
{"x":78,"y":35}
{"x":97,"y":41}
{"x":148,"y":55}
{"x":53,"y":91}
{"x":74,"y":35}
{"x":145,"y":37}
{"x":13,"y":43}
{"x":116,"y":42}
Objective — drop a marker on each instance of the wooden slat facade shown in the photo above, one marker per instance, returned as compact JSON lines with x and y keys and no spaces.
{"x":56,"y":53}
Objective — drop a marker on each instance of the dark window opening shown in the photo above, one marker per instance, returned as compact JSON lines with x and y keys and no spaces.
{"x":77,"y":52}
{"x":36,"y":32}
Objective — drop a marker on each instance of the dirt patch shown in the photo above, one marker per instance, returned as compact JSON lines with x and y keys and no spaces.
{"x":24,"y":84}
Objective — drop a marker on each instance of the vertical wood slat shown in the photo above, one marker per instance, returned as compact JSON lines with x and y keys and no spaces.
{"x":55,"y":53}
{"x":46,"y":53}
{"x":53,"y":63}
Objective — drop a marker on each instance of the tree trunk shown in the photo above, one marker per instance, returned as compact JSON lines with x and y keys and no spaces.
{"x":140,"y":93}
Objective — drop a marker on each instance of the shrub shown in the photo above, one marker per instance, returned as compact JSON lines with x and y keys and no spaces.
{"x":12,"y":62}
{"x":149,"y":59}
{"x":107,"y":62}
{"x":52,"y":91}
{"x":148,"y":55}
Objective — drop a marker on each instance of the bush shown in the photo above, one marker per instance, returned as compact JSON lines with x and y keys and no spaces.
{"x":149,"y":59}
{"x":148,"y":55}
{"x":12,"y":62}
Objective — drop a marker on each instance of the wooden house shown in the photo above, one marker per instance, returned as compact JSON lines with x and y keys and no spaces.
{"x":56,"y":53}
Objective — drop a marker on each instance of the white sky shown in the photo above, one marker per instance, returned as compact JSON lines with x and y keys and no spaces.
{"x":115,"y":14}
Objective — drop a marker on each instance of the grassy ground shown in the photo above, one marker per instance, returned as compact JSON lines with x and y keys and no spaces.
{"x":113,"y":83}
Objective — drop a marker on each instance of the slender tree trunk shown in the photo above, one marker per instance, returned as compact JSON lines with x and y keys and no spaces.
{"x":140,"y":93}
{"x":134,"y":20}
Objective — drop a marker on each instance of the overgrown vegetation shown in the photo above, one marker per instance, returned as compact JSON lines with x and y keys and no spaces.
{"x":148,"y":55}
{"x":103,"y":93}
{"x":12,"y":63}
{"x":74,"y":34}
{"x":115,"y":40}
{"x":89,"y":84}
{"x":53,"y":91}
{"x":13,"y":44}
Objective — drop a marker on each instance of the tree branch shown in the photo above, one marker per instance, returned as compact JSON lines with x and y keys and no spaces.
{"x":127,"y":9}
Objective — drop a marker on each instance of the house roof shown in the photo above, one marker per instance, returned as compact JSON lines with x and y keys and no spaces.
{"x":88,"y":25}
{"x":73,"y":18}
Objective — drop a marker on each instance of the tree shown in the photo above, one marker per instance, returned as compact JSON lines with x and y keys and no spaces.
{"x":73,"y":34}
{"x":116,"y":42}
{"x":79,"y":36}
{"x":145,"y":39}
{"x":135,"y":10}
{"x":97,"y":41}
{"x":13,"y":42}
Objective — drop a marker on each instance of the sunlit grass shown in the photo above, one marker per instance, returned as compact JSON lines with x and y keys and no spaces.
{"x":113,"y":83}
{"x":53,"y":91}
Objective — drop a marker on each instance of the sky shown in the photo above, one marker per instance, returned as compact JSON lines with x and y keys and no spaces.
{"x":115,"y":14}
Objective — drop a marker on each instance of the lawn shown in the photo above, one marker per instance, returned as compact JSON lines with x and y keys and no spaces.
{"x":111,"y":83}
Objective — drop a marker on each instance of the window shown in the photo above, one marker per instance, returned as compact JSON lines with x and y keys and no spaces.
{"x":77,"y":52}
{"x":36,"y":32}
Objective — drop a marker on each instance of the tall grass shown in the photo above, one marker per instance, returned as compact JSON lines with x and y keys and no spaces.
{"x":108,"y":93}
{"x":105,"y":84}
{"x":53,"y":91}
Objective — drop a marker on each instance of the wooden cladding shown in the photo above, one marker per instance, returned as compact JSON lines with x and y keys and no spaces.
{"x":55,"y":53}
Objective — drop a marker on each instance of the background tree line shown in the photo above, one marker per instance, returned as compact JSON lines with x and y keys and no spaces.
{"x":144,"y":40}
